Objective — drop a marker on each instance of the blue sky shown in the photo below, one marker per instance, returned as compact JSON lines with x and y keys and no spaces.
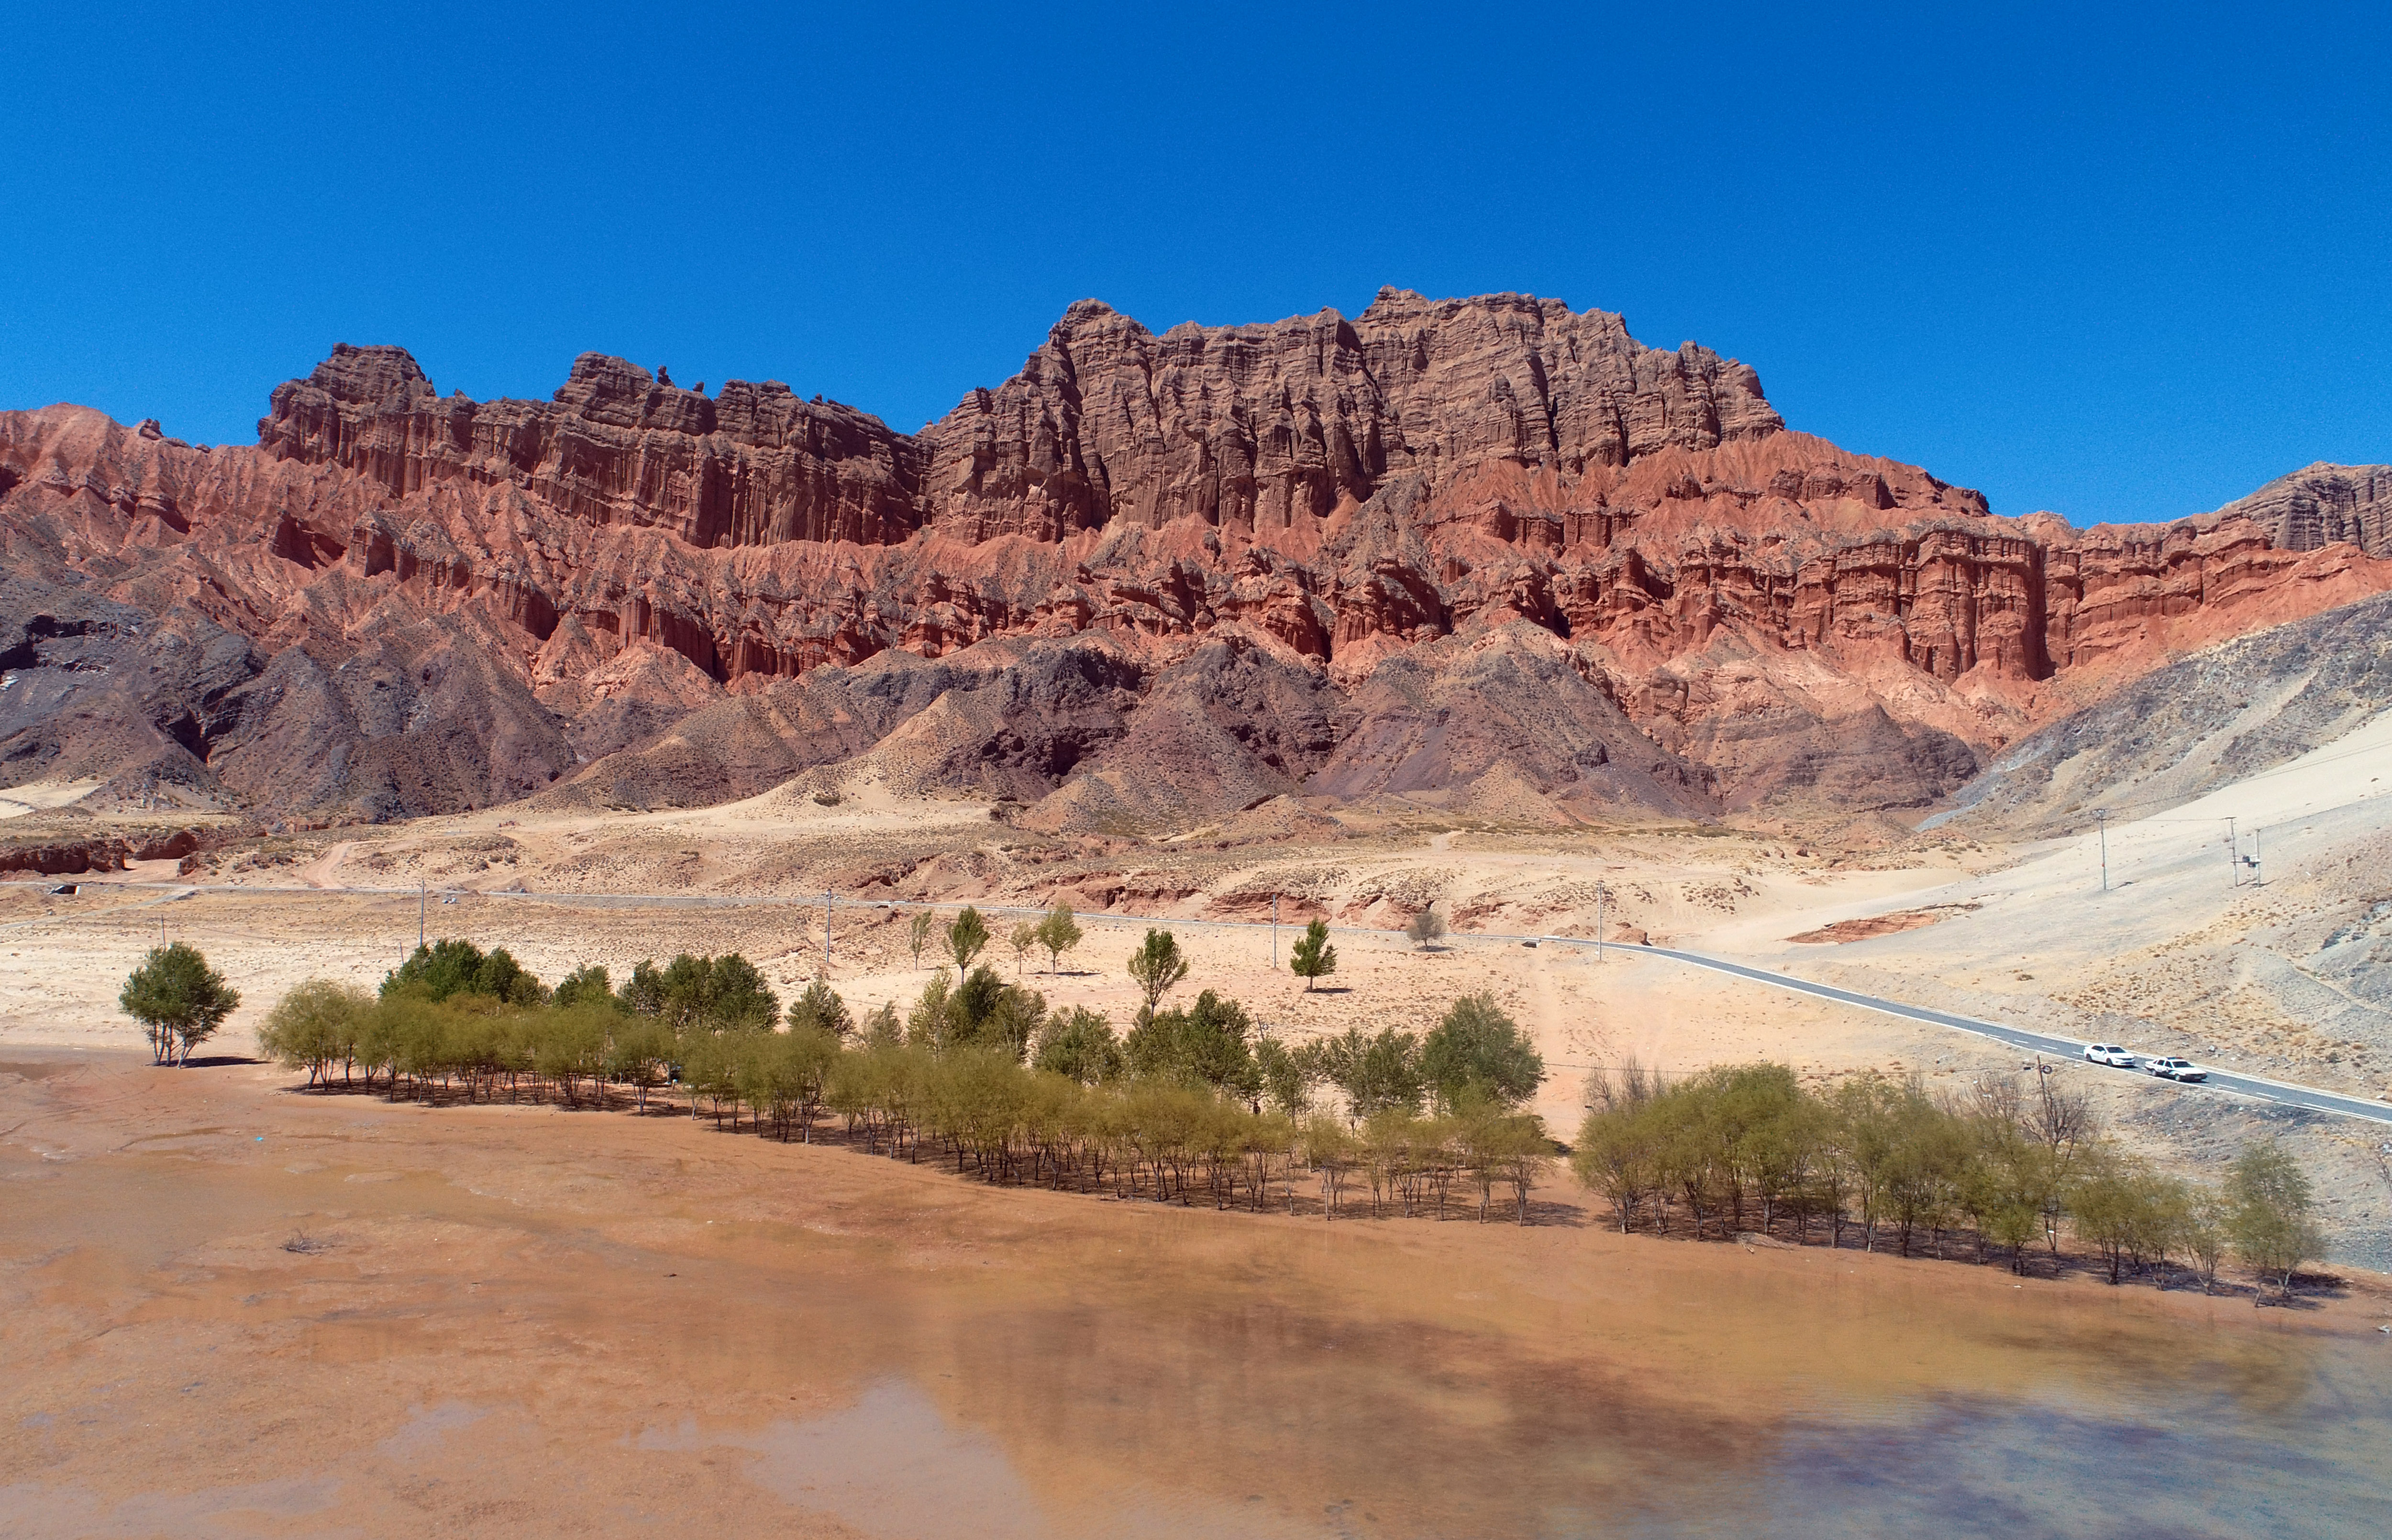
{"x":2118,"y":262}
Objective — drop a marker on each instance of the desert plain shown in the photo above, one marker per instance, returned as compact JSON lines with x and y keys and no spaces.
{"x":235,"y":1307}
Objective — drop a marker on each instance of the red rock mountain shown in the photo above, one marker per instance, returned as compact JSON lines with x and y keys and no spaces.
{"x":1489,"y":554}
{"x":2321,"y":504}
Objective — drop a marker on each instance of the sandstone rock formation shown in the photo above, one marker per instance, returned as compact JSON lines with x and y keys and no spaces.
{"x":1484,"y":554}
{"x":2321,"y":504}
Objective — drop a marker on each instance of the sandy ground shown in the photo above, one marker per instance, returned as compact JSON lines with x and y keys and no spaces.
{"x":42,"y":796}
{"x":226,"y":1308}
{"x":62,"y":961}
{"x":2184,"y":953}
{"x":2174,"y":957}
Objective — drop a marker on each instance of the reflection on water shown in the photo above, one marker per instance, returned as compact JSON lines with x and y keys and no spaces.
{"x":2193,"y":1470}
{"x":1349,"y":1462}
{"x":904,"y":1356}
{"x":891,"y":1465}
{"x":1781,"y":1411}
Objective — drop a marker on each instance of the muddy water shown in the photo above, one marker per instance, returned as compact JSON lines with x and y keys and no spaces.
{"x":232,"y":1311}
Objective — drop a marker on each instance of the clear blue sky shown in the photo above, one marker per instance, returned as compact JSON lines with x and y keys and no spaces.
{"x":2120,"y":262}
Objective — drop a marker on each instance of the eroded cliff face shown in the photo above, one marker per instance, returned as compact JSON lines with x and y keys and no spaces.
{"x":1255,"y":428}
{"x":617,"y":446}
{"x":2321,"y":504}
{"x":1518,"y":556}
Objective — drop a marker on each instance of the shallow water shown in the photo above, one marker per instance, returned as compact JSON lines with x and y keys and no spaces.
{"x":1267,"y":1437}
{"x":533,"y":1323}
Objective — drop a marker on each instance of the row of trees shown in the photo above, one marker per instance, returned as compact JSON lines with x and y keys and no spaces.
{"x":963,"y":938}
{"x":2000,"y":1167}
{"x":1198,"y":1099}
{"x":1193,"y":1101}
{"x":1475,"y":1054}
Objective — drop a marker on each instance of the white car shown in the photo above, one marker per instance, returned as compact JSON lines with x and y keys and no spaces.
{"x":2109,"y":1054}
{"x":2177,"y":1069}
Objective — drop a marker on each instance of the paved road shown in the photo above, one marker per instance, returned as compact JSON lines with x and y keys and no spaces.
{"x":2044,"y":1043}
{"x":2282,"y":1093}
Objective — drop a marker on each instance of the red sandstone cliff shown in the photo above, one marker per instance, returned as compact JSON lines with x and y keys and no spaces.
{"x":1483,"y":549}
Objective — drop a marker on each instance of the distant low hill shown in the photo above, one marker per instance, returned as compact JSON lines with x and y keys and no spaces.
{"x":2220,"y":716}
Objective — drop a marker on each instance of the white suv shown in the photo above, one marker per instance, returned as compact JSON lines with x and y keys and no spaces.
{"x":2177,"y":1069}
{"x":2109,"y":1054}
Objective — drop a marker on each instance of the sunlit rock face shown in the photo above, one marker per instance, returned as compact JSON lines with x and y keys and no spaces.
{"x":1489,"y":551}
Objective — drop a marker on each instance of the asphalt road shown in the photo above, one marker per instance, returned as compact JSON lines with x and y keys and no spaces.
{"x":2282,"y":1093}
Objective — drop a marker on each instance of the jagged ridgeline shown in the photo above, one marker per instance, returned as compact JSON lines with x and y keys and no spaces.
{"x":1491,"y":555}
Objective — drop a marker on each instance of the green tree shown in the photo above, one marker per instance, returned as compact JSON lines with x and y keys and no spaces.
{"x":1376,"y":1073}
{"x":1079,"y":1045}
{"x":2104,"y":1202}
{"x":584,"y":986}
{"x":315,"y":1026}
{"x":1617,"y":1153}
{"x":1520,"y":1154}
{"x":1426,"y":926}
{"x":1286,"y":1077}
{"x":985,"y":1011}
{"x":2269,"y":1213}
{"x":967,"y":936}
{"x":786,"y":1075}
{"x":918,"y":931}
{"x":644,"y":995}
{"x":1312,"y":958}
{"x":179,"y":1000}
{"x":1478,"y":1046}
{"x":820,"y":1006}
{"x":686,"y":986}
{"x":926,"y":1024}
{"x":725,"y":993}
{"x":1867,"y":1133}
{"x":710,"y":1062}
{"x":640,"y":1055}
{"x":1023,"y":940}
{"x":1014,"y":1024}
{"x":1058,"y":933}
{"x":974,"y":1002}
{"x":1923,"y":1174}
{"x":1332,"y":1150}
{"x":2206,"y":1234}
{"x":1999,"y":1186}
{"x":881,"y":1029}
{"x":1206,"y":1044}
{"x":450,"y":968}
{"x":1156,"y":966}
{"x":436,"y":971}
{"x":571,"y":1047}
{"x":737,"y":997}
{"x":812,"y":1054}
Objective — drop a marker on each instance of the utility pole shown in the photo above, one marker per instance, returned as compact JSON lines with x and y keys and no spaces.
{"x":2233,"y":854}
{"x":2101,"y":822}
{"x":1599,"y":895}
